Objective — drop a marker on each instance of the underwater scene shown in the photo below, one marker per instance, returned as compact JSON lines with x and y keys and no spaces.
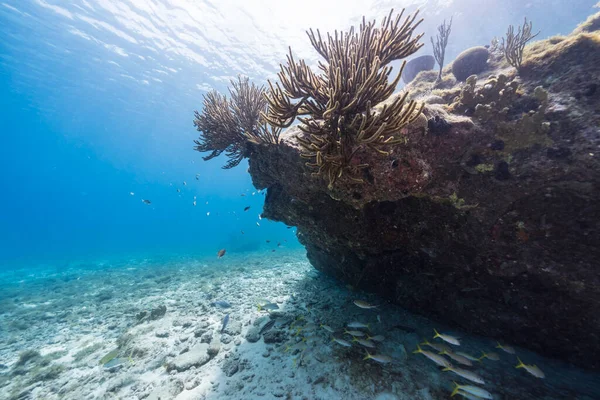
{"x":362,"y":200}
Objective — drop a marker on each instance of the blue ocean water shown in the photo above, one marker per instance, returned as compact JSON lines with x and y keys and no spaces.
{"x":96,"y":108}
{"x":97,"y":101}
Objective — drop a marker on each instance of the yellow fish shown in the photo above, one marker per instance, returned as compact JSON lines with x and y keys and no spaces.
{"x":380,"y":358}
{"x":508,"y":349}
{"x":447,"y":338}
{"x":436,"y":346}
{"x":468,"y":356}
{"x":458,"y":358}
{"x":489,"y":356}
{"x":532,"y":369}
{"x":473,"y":377}
{"x":439,"y":360}
{"x":477,"y":392}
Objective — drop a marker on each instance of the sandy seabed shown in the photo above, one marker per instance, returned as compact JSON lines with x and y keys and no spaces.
{"x":150,"y":329}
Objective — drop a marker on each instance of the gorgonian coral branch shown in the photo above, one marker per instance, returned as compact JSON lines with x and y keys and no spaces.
{"x":226,"y":125}
{"x":335,"y":105}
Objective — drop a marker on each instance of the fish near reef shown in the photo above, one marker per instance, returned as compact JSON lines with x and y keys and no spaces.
{"x":489,"y":356}
{"x":358,"y":325}
{"x":221,"y":253}
{"x":225,"y":322}
{"x":477,"y":392}
{"x":472,"y":376}
{"x":457,"y":357}
{"x":377,"y":338}
{"x":342,"y":342}
{"x":467,"y":356}
{"x":439,"y":347}
{"x":221,"y":304}
{"x":507,"y":349}
{"x":364,"y":305}
{"x":380,"y":358}
{"x":532,"y":369}
{"x":267,"y":326}
{"x":447,"y":338}
{"x":354,"y":333}
{"x":439,"y":360}
{"x":363,"y":342}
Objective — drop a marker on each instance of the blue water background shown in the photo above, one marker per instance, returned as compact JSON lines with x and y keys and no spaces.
{"x":91,"y":109}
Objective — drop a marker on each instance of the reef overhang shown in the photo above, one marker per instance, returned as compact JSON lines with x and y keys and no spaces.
{"x":488,"y":218}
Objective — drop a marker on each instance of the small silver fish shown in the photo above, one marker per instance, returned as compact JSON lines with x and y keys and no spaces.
{"x":477,"y":392}
{"x":378,"y":338}
{"x":467,"y":356}
{"x":363,"y":342}
{"x":364,"y":305}
{"x":489,"y":356}
{"x":437,"y":346}
{"x":221,"y":304}
{"x":458,"y":358}
{"x":267,"y":326}
{"x":358,"y":325}
{"x":532,"y":369}
{"x":355,"y":333}
{"x":327,"y":328}
{"x":225,"y":321}
{"x":342,"y":342}
{"x":508,"y":349}
{"x":439,"y":360}
{"x":472,"y":376}
{"x":380,"y":358}
{"x":447,"y":338}
{"x":467,"y":395}
{"x":146,"y":201}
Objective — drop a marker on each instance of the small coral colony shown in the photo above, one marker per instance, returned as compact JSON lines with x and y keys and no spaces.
{"x":338,"y":118}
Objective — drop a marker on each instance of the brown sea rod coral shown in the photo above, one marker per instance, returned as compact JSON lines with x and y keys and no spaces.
{"x":227,"y":125}
{"x":514,"y":44}
{"x":336,"y":106}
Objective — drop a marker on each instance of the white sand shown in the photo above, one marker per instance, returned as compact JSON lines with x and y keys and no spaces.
{"x":75,"y":310}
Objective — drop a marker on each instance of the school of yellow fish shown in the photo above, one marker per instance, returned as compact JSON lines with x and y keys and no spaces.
{"x":444,"y":355}
{"x":468,"y":391}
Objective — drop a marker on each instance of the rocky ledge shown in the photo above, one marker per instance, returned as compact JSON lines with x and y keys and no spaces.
{"x":488,"y":218}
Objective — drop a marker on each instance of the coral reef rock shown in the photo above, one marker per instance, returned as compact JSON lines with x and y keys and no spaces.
{"x":469,"y":62}
{"x":491,"y":223}
{"x":416,"y":65}
{"x":196,"y":357}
